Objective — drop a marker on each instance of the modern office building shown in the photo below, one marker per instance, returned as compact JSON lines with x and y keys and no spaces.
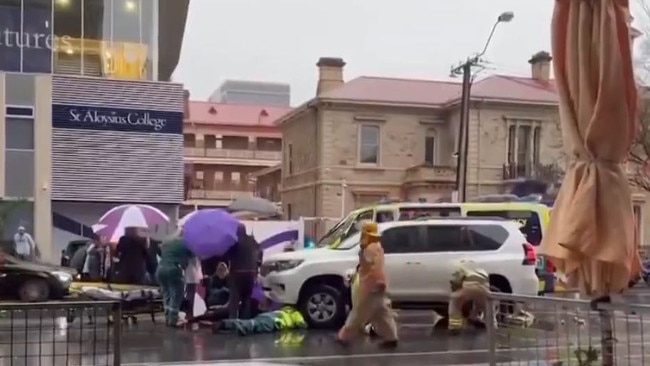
{"x":87,"y":116}
{"x":253,"y":92}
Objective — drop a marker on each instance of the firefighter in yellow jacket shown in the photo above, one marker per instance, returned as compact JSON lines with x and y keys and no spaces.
{"x":372,"y":302}
{"x":468,"y":285}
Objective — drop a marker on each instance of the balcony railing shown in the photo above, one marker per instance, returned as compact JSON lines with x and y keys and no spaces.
{"x":430,"y":173}
{"x":543,"y":172}
{"x":204,"y":194}
{"x":232,"y":153}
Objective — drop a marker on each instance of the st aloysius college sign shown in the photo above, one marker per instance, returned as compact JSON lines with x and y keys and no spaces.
{"x":116,"y":119}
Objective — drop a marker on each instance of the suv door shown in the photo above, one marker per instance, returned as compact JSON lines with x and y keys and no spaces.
{"x":402,"y":248}
{"x":448,"y":245}
{"x":444,"y":247}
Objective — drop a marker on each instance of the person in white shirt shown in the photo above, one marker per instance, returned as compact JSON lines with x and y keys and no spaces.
{"x":24,"y":245}
{"x":193,"y":277}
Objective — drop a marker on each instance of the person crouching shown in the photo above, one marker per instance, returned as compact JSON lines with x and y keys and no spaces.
{"x":469,"y":287}
{"x":373,"y":301}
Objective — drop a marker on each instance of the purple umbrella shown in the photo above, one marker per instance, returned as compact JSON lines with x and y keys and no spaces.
{"x":211,"y":232}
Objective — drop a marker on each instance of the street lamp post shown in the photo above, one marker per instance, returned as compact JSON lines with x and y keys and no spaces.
{"x":465,"y":69}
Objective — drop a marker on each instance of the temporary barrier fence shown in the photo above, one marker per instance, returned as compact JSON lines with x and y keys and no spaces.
{"x":60,"y":333}
{"x":550,"y":330}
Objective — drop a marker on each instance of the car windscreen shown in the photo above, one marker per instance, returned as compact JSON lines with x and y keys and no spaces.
{"x":529,"y":222}
{"x":336,"y":232}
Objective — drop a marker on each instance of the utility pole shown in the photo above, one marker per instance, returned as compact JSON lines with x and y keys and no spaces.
{"x":463,"y":127}
{"x":465,"y":69}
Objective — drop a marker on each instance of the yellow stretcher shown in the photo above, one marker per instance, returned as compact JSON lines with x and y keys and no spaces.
{"x":75,"y":287}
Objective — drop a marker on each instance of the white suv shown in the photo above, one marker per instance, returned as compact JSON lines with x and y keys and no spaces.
{"x":420,"y":259}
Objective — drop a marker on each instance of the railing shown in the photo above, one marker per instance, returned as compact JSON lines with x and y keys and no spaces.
{"x":60,"y":333}
{"x":563,"y":330}
{"x":544,"y":172}
{"x":233,"y":153}
{"x":430,"y":173}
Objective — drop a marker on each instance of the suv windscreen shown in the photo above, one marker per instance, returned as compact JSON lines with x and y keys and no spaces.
{"x":338,"y":231}
{"x":530,"y":224}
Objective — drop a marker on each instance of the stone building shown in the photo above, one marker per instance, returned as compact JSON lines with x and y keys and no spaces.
{"x":371,"y":138}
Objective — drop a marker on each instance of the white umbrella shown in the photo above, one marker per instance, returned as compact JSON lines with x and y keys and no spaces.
{"x":113,"y":223}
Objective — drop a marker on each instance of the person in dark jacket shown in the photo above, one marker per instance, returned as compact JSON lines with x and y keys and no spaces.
{"x":131,"y":250}
{"x":244,"y":263}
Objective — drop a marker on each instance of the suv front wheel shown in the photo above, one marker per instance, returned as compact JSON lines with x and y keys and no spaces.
{"x":323,"y":307}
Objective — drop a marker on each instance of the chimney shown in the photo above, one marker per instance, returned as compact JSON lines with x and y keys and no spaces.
{"x":330,"y":74}
{"x":540,"y":65}
{"x":186,"y":104}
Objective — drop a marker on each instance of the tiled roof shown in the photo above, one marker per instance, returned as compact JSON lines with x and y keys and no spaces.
{"x":441,"y":93}
{"x":233,"y":114}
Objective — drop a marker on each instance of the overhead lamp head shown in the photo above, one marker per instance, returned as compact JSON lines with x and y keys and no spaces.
{"x":506,"y":16}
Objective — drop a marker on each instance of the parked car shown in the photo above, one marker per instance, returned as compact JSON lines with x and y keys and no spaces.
{"x":32,"y":282}
{"x":71,"y":249}
{"x":420,"y":259}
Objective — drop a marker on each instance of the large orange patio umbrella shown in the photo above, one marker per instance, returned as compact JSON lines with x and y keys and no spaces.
{"x":591,"y":234}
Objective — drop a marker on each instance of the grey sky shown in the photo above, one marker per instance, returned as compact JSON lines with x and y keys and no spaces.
{"x":281,"y":40}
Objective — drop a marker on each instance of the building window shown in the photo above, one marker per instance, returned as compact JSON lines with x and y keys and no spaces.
{"x":27,"y":41}
{"x":290,"y":158}
{"x":537,"y":144}
{"x":523,"y":145}
{"x":218,"y":177}
{"x":512,"y":130}
{"x":114,"y":38}
{"x":235,"y":178}
{"x":19,"y":155}
{"x":189,"y":140}
{"x":199,"y":181}
{"x":289,"y":211}
{"x":17,"y":213}
{"x":430,"y":148}
{"x":638,"y":222}
{"x":369,"y":144}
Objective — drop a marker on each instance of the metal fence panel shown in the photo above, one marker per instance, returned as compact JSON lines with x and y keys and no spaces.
{"x":563,"y":331}
{"x":60,"y":333}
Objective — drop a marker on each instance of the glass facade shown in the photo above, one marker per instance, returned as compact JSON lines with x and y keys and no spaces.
{"x":103,"y":38}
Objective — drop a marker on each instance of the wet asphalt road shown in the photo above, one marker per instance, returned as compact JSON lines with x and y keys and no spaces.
{"x":147,"y":343}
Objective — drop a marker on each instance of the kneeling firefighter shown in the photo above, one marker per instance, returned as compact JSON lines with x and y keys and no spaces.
{"x":469,"y":286}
